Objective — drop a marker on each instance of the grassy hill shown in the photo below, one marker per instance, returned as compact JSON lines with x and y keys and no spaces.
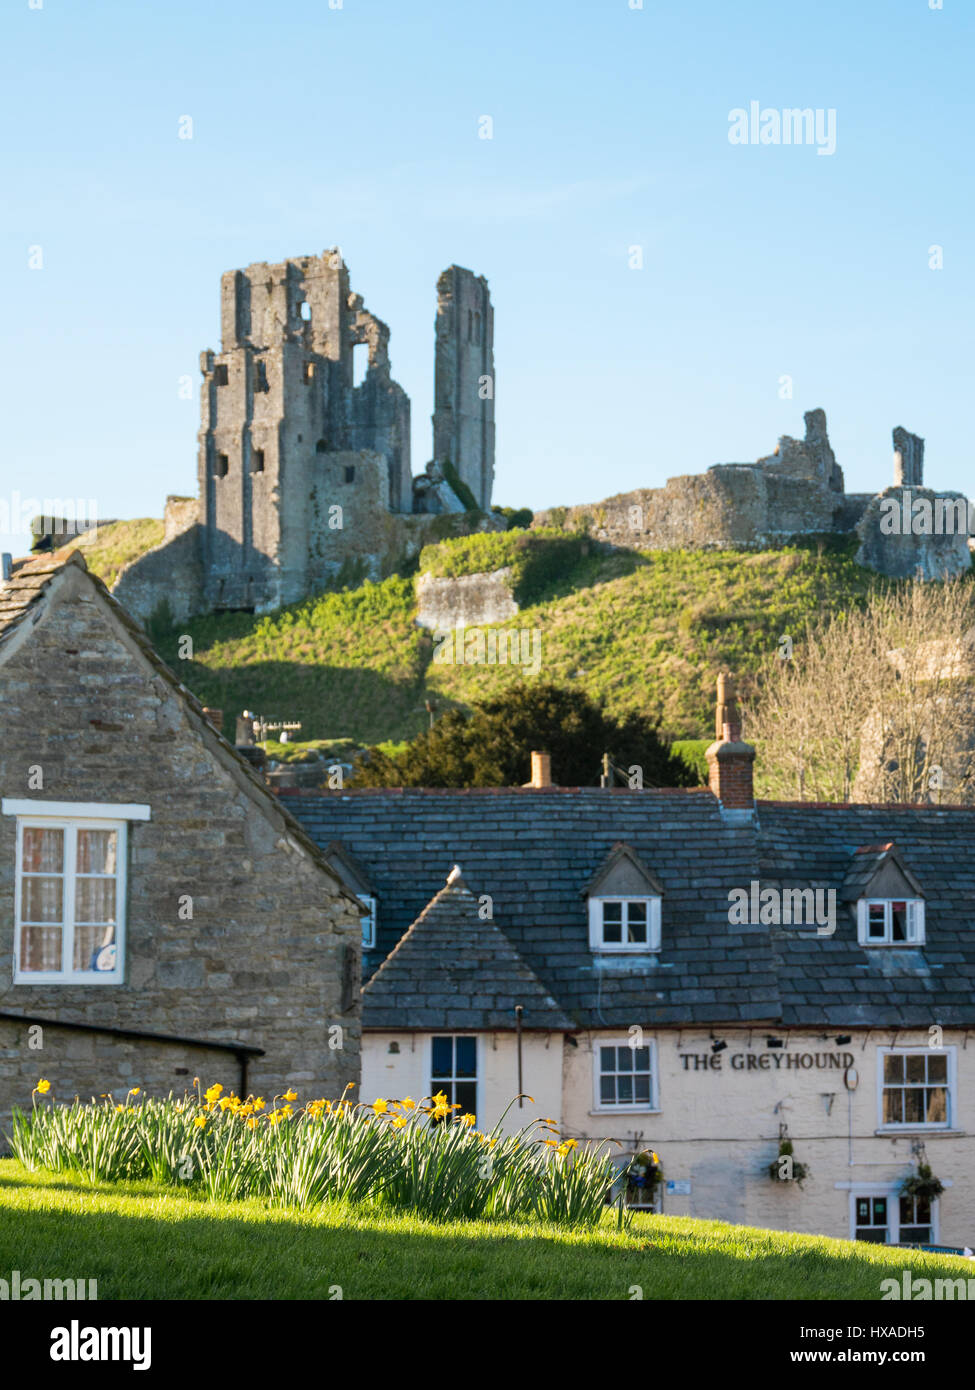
{"x":123,"y":1235}
{"x":642,"y":631}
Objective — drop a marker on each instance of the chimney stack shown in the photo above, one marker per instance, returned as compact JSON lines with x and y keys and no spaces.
{"x":541,"y":770}
{"x":729,"y":759}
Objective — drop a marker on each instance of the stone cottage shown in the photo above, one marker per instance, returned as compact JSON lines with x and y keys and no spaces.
{"x":162,"y":915}
{"x":690,"y":971}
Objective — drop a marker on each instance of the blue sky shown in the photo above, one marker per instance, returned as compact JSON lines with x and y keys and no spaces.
{"x":358,"y":127}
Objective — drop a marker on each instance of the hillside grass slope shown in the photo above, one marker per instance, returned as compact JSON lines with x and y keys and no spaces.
{"x":641,"y":631}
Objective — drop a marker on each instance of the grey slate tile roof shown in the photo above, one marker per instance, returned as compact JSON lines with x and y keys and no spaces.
{"x":535,"y":850}
{"x":457,"y":970}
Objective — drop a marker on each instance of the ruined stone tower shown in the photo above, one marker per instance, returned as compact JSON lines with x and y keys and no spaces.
{"x":283,"y":427}
{"x":463,"y":419}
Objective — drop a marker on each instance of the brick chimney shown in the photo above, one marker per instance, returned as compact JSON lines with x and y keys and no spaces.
{"x":729,"y":759}
{"x":541,"y":770}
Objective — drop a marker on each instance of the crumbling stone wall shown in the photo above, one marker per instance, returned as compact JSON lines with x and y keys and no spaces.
{"x":796,"y":490}
{"x":265,"y":958}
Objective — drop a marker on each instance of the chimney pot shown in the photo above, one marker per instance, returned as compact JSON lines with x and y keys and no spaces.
{"x":541,"y":770}
{"x":730,"y":761}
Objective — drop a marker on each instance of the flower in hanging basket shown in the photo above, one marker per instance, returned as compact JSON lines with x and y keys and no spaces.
{"x":922,"y":1185}
{"x":786,"y":1168}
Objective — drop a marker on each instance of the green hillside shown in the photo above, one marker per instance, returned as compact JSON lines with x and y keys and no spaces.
{"x":641,"y":631}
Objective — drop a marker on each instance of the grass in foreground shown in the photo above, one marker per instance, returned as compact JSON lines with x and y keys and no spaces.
{"x":140,"y":1241}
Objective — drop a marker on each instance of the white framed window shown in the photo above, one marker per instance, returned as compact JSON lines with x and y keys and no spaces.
{"x":890,"y":921}
{"x":916,"y":1087}
{"x":368,"y":920}
{"x":69,"y":902}
{"x":453,"y":1070}
{"x":625,"y":923}
{"x":883,"y":1215}
{"x":624,"y":1076}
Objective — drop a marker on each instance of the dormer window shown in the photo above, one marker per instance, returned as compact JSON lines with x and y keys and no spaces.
{"x":624,"y":905}
{"x":890,"y":921}
{"x":624,"y":924}
{"x":887,"y":898}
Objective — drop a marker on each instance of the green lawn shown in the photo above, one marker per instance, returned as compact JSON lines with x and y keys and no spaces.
{"x":140,"y":1241}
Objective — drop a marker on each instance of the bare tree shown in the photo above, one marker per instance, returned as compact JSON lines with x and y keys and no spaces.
{"x":875,"y":704}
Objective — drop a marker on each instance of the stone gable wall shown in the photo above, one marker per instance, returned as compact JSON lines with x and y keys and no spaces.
{"x":263,"y":957}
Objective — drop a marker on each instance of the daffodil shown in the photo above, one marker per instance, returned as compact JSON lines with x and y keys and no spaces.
{"x":290,"y":1095}
{"x":43,"y":1086}
{"x":214,"y":1093}
{"x":467,"y":1120}
{"x":399,"y":1121}
{"x":380,"y":1106}
{"x":408,"y":1103}
{"x":200,"y":1121}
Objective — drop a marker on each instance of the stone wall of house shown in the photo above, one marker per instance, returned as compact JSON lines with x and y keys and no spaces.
{"x":467,"y":600}
{"x":270,"y":956}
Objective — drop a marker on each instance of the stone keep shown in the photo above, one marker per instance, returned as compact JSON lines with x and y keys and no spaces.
{"x":463,"y":419}
{"x":278,"y":402}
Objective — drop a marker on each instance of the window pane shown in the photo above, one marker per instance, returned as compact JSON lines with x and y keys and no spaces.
{"x":893,"y":1067}
{"x":624,"y":1089}
{"x":915,"y":1235}
{"x":914,"y":1107}
{"x":612,"y":932}
{"x":863,"y":1211}
{"x":893,"y":1107}
{"x":937,"y":1107}
{"x":607,"y":1059}
{"x":875,"y":921}
{"x":466,"y":1055}
{"x":607,"y":1090}
{"x":443,"y":1053}
{"x":97,"y":851}
{"x":898,"y":919}
{"x":641,"y":1089}
{"x":624,"y":1059}
{"x":43,"y":851}
{"x":612,"y":912}
{"x":40,"y":948}
{"x":636,"y":912}
{"x":42,"y":899}
{"x":937,"y":1067}
{"x":880,"y":1211}
{"x":915,"y":1067}
{"x":465,"y":1094}
{"x":94,"y":948}
{"x":641,"y":1059}
{"x":94,"y":900}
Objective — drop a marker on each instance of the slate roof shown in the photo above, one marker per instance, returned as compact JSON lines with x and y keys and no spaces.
{"x":836,"y":981}
{"x":535,"y":850}
{"x":454,"y":969}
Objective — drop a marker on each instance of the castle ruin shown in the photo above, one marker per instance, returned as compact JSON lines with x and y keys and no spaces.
{"x":304,"y":444}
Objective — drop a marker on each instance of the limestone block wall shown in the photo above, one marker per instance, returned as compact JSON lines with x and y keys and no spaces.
{"x":272,"y":936}
{"x":469,"y":600}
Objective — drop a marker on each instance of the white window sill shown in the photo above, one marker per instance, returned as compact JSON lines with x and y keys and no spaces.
{"x":37,"y":978}
{"x":933,"y":1130}
{"x":625,"y":1110}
